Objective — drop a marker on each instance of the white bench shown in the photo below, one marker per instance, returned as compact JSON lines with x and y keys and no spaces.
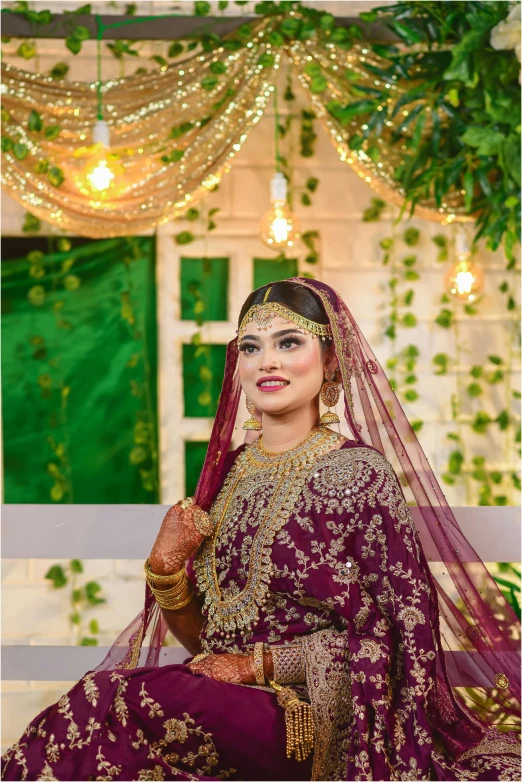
{"x":128,"y":532}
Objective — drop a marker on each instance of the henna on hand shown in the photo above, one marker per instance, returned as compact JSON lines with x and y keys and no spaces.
{"x":177,"y":540}
{"x":232,"y":668}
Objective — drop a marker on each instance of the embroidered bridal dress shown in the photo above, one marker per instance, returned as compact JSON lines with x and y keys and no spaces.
{"x":315,"y":549}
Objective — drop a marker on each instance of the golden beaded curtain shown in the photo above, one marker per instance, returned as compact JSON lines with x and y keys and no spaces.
{"x":174,"y":132}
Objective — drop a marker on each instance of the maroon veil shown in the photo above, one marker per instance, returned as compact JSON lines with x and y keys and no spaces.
{"x":478,"y":638}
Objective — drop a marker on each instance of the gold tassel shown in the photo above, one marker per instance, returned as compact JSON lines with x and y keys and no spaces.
{"x":299,"y":722}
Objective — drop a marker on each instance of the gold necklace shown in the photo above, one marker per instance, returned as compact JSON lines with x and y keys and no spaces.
{"x":289,"y":472}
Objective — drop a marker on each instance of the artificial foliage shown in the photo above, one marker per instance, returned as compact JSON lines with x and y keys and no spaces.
{"x":440,"y":111}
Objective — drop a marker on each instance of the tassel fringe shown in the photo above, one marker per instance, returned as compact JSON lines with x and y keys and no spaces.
{"x":299,"y":722}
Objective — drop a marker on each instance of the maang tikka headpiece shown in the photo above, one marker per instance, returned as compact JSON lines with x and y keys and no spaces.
{"x":262,"y":315}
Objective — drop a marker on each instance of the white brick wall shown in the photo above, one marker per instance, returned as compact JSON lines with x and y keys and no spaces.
{"x":33,"y":613}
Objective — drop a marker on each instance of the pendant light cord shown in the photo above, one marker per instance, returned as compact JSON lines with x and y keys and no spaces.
{"x":277,"y":154}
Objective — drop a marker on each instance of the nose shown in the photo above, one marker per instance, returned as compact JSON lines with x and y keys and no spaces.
{"x":270,"y":360}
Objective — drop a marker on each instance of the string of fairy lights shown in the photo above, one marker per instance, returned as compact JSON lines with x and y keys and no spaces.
{"x":102,"y":179}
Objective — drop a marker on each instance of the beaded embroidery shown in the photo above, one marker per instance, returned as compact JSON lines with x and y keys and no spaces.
{"x":289,"y":472}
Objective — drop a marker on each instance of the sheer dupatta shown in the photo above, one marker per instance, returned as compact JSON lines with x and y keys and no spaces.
{"x":479,"y":644}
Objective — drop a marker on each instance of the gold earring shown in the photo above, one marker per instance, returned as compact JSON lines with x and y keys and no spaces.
{"x":252,"y":422}
{"x":330,"y":393}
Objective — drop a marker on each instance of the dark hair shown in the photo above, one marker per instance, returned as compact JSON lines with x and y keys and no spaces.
{"x":296,"y":297}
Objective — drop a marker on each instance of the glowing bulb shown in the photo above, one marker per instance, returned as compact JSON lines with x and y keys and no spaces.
{"x":101,"y":176}
{"x":279,"y":228}
{"x":464,"y":281}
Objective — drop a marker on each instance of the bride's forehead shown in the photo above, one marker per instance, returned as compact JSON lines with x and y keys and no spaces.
{"x":278,"y":323}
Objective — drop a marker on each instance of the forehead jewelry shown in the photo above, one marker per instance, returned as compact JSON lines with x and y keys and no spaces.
{"x":263,"y":314}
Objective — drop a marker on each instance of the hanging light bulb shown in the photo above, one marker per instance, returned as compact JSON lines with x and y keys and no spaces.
{"x":464,"y":280}
{"x":279,"y":228}
{"x":102,"y":175}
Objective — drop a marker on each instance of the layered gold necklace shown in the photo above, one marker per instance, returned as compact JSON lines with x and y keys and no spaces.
{"x":288,"y":472}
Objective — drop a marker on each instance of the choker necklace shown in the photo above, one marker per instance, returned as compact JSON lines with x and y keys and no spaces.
{"x":288,"y":452}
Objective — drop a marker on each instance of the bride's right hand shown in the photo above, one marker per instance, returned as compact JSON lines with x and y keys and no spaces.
{"x":178,"y":539}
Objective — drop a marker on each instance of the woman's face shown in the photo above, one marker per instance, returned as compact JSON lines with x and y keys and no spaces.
{"x":284,"y":352}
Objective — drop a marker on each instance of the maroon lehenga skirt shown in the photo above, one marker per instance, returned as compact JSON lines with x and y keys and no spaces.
{"x":156,"y":724}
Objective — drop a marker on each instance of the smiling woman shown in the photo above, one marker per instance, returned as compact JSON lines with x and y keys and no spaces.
{"x":285,"y":354}
{"x":297,"y":578}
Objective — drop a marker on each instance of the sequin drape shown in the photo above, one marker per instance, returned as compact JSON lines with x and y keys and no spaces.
{"x":177,"y":130}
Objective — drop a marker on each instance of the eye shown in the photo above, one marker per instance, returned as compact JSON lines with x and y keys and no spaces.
{"x":247,"y":347}
{"x":289,"y":341}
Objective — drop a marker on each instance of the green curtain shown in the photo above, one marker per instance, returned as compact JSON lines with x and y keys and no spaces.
{"x":79,"y":368}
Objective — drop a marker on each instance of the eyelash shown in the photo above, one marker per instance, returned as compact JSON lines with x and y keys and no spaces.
{"x":245,"y":345}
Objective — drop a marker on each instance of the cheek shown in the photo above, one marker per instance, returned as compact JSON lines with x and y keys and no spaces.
{"x":305,"y":363}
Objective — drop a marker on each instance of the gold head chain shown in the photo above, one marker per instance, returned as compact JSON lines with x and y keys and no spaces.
{"x":262,"y":315}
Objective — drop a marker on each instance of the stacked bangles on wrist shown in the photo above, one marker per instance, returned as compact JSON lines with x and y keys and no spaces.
{"x":178,"y":596}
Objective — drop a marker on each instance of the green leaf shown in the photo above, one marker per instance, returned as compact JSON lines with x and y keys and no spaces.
{"x":326,"y":21}
{"x":502,"y":420}
{"x":27,"y":50}
{"x":411,"y":395}
{"x":496,"y":477}
{"x":486,"y":140}
{"x":313,"y":70}
{"x":305,"y":199}
{"x":209,"y":82}
{"x":345,"y":113}
{"x":266,"y":60}
{"x":52,"y":132}
{"x":73,"y":43}
{"x":175,"y":49}
{"x":94,"y":627}
{"x":55,"y":176}
{"x":411,"y":236}
{"x":416,"y":425}
{"x":56,"y":574}
{"x":36,"y":295}
{"x":76,"y":566}
{"x":31,"y":224}
{"x":218,"y":67}
{"x":71,"y":282}
{"x":201,"y":8}
{"x":7,"y":144}
{"x":184,"y":237}
{"x":444,"y":319}
{"x":455,"y":461}
{"x":89,"y":642}
{"x":474,"y":389}
{"x":92,"y":590}
{"x":138,"y":454}
{"x":20,"y":151}
{"x":409,"y":320}
{"x":495,"y":359}
{"x":35,"y":123}
{"x":318,"y":84}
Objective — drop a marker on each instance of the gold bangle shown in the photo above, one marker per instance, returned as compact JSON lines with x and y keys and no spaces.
{"x":171,"y":578}
{"x":259,"y":667}
{"x":174,"y":602}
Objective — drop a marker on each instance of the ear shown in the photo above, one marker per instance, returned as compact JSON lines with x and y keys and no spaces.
{"x":330,"y":361}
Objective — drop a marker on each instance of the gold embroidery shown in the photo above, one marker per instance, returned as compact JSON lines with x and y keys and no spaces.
{"x":118,"y":704}
{"x":105,"y":766}
{"x":237,"y":610}
{"x":147,"y":701}
{"x":155,"y":774}
{"x":91,"y":691}
{"x":329,"y":688}
{"x":47,"y":774}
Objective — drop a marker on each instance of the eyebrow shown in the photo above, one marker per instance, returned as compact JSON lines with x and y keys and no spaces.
{"x":277,"y":334}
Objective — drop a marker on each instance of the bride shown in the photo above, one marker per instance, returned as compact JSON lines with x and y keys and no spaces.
{"x":298,"y":580}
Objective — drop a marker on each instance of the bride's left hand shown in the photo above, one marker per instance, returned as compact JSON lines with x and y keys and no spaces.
{"x":234,"y":668}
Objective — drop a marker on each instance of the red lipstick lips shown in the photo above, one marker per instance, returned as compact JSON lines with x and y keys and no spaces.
{"x":269,"y":378}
